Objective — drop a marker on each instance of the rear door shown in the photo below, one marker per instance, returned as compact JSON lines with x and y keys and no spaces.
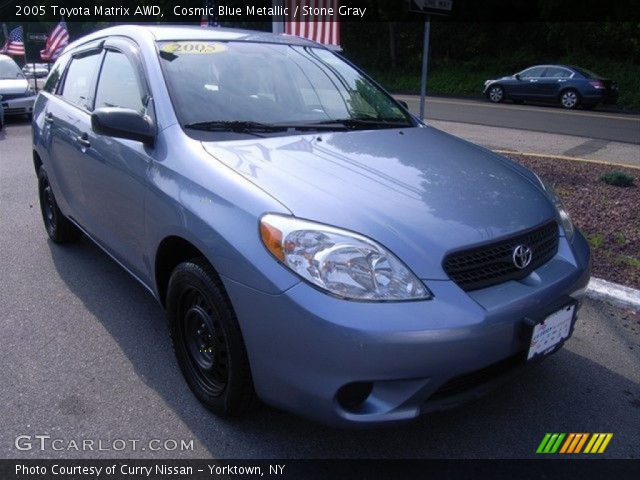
{"x":115,"y":177}
{"x":68,"y":119}
{"x":552,"y":81}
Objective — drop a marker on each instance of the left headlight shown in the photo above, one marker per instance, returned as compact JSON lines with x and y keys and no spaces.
{"x":563,"y":214}
{"x":340,"y":262}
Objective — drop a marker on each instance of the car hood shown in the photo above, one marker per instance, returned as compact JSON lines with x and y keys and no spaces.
{"x":419,"y":191}
{"x":11,"y":86}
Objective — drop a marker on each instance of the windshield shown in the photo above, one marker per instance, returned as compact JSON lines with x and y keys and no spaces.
{"x":9,"y":69}
{"x":269,"y":84}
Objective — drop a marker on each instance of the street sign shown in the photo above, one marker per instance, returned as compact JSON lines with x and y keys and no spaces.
{"x":431,"y":7}
{"x":37,"y":37}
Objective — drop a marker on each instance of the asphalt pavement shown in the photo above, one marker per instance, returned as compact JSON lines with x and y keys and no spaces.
{"x":601,"y":125}
{"x":85,"y":354}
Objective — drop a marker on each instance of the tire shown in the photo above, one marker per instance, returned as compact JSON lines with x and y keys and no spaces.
{"x":207,"y":340}
{"x":495,"y":94}
{"x":58,"y":227}
{"x":569,"y":99}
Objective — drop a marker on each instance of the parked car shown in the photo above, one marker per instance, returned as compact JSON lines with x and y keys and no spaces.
{"x":17,"y":96}
{"x":568,"y":86}
{"x":314,"y":245}
{"x":41,"y":70}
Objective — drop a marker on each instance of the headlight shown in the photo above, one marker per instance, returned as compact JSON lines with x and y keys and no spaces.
{"x":563,"y":214}
{"x":340,"y":262}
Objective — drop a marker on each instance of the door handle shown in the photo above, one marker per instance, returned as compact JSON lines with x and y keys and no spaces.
{"x":48,"y":117}
{"x":533,"y":80}
{"x":83,"y":140}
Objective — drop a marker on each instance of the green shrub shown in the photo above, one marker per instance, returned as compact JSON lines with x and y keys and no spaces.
{"x":617,"y":178}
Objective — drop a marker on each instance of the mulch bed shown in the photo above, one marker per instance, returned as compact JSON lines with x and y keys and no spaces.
{"x":607,"y":215}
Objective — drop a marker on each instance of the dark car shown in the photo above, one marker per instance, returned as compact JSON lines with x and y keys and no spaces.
{"x":569,"y":86}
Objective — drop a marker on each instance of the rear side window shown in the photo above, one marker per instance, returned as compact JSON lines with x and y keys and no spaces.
{"x":78,"y":82}
{"x":557,"y":72}
{"x":118,"y":84}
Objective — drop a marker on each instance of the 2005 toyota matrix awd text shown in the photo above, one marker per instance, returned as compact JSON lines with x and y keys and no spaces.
{"x":314,"y":245}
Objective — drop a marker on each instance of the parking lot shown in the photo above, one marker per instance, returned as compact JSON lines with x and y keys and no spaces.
{"x":85,"y":354}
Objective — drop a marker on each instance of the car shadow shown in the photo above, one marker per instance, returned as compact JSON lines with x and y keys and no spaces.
{"x":567,"y":393}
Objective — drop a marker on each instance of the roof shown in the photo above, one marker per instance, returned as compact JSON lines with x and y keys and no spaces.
{"x":192,"y":32}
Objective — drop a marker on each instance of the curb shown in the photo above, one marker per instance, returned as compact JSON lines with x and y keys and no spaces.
{"x":599,"y":289}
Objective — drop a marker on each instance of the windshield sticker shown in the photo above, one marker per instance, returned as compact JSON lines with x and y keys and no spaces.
{"x":199,"y":48}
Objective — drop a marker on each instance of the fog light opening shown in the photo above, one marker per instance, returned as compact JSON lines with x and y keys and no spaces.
{"x":353,"y":395}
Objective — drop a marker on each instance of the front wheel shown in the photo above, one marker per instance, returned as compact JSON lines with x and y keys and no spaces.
{"x":496,"y":94}
{"x":207,"y":340}
{"x":569,"y":99}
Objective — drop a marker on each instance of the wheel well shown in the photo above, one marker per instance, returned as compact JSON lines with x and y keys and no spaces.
{"x":172,"y":252}
{"x":37,"y":162}
{"x":567,"y":89}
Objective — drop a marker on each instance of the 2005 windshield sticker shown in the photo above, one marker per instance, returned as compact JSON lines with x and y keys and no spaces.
{"x":190,"y":48}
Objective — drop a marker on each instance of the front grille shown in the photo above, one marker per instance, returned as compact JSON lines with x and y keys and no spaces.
{"x":490,"y":264}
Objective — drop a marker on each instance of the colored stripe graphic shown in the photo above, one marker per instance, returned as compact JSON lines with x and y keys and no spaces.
{"x":550,"y":443}
{"x":553,"y":443}
{"x":574,"y":443}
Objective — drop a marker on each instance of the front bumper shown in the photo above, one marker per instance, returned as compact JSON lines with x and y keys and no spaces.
{"x":305,"y":346}
{"x":18,"y":106}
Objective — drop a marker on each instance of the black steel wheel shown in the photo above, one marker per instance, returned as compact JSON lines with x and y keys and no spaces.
{"x":207,"y":339}
{"x":58,"y":227}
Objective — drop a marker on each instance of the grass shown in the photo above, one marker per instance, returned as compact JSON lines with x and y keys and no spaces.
{"x":596,"y":240}
{"x":467,"y":78}
{"x":628,"y":260}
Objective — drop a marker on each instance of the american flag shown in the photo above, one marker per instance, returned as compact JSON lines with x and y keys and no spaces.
{"x":323,"y":29}
{"x":209,"y":20}
{"x":56,"y":41}
{"x":15,"y":43}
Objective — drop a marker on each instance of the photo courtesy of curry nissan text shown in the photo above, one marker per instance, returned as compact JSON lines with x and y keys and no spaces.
{"x":315,"y":246}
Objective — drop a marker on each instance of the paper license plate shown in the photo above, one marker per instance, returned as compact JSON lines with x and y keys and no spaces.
{"x":553,"y":330}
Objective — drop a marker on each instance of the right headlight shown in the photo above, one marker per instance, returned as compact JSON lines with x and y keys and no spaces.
{"x":563,"y":214}
{"x":340,"y":262}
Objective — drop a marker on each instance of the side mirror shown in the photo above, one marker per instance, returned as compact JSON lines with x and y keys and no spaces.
{"x":404,"y":104}
{"x":123,"y":123}
{"x":517,"y":76}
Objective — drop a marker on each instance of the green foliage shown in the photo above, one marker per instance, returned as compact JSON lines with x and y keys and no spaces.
{"x":596,"y":240}
{"x":617,"y":178}
{"x":465,"y":54}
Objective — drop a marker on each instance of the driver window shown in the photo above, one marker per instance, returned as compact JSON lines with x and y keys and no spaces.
{"x":534,"y":72}
{"x":118,"y":84}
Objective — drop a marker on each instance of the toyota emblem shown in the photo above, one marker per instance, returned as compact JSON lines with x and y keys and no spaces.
{"x":522,"y":256}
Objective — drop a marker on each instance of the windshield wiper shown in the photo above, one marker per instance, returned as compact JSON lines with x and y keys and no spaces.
{"x":234,"y":126}
{"x":372,"y":122}
{"x":249,"y":126}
